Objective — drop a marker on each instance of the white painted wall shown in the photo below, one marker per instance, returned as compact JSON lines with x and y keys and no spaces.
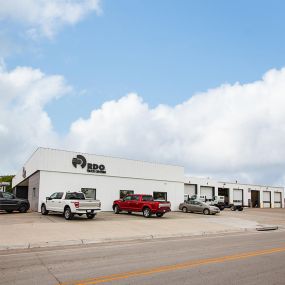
{"x":108,"y":188}
{"x":61,"y":161}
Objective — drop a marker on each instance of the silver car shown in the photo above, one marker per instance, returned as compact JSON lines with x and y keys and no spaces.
{"x":198,"y":207}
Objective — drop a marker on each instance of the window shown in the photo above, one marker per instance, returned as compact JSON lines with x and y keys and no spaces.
{"x":74,"y":196}
{"x":7,"y":195}
{"x":124,"y":193}
{"x":59,"y":195}
{"x":135,"y":197}
{"x":90,"y":193}
{"x":53,"y":196}
{"x":160,"y":196}
{"x":127,"y":198}
{"x":147,"y":198}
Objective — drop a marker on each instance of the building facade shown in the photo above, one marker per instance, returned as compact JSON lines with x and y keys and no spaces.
{"x":109,"y":178}
{"x":256,"y":196}
{"x":101,"y":177}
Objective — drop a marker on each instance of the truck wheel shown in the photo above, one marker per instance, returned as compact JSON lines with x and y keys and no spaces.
{"x":206,"y":212}
{"x":159,"y":215}
{"x":44,"y":210}
{"x":240,"y":209}
{"x":90,"y":216}
{"x":184,"y":210}
{"x":67,"y":214}
{"x":23,"y":208}
{"x":146,"y":212}
{"x":116,"y":209}
{"x":222,"y":208}
{"x":233,"y":208}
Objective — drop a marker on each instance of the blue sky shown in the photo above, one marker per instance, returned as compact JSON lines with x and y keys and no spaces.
{"x":164,"y":50}
{"x":195,"y":83}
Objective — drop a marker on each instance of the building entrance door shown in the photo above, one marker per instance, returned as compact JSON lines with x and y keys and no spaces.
{"x":255,"y":199}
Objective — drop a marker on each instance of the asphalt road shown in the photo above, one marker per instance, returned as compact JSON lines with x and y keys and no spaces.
{"x":246,"y":258}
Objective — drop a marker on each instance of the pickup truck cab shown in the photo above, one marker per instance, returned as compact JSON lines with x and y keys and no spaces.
{"x":141,"y":203}
{"x":70,"y":204}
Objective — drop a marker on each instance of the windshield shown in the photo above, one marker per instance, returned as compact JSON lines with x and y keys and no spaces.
{"x":74,"y":196}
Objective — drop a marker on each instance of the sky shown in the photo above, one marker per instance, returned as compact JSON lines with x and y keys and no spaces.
{"x":195,"y":83}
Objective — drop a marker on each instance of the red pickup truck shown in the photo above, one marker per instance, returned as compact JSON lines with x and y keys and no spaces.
{"x":141,"y":203}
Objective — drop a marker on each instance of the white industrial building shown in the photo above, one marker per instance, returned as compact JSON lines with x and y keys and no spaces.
{"x":109,"y":178}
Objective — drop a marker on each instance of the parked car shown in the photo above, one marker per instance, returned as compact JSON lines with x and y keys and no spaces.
{"x":141,"y":203}
{"x":218,"y":201}
{"x":199,"y":207}
{"x":10,"y":203}
{"x":70,"y":204}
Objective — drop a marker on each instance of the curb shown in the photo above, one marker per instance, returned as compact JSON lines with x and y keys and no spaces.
{"x":109,"y":240}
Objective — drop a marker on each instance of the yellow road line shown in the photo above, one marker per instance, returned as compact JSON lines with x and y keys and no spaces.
{"x":173,"y":267}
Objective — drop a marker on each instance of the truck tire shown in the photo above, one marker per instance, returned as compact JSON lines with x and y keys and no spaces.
{"x":146,"y":212}
{"x":159,"y":215}
{"x":240,"y":209}
{"x":44,"y":210}
{"x":206,"y":212}
{"x":23,"y":208}
{"x":116,"y":209}
{"x":184,"y":210}
{"x":233,"y":208}
{"x":90,"y":216}
{"x":67,"y":214}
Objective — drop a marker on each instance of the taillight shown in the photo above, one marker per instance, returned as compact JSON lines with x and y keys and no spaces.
{"x":76,"y":204}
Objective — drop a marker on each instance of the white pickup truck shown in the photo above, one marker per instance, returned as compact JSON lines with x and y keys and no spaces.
{"x":70,"y":204}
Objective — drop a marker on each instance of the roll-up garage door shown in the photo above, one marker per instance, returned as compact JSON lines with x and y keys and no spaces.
{"x":277,"y":200}
{"x":190,"y":189}
{"x":207,"y":191}
{"x":238,"y":197}
{"x":266,"y":199}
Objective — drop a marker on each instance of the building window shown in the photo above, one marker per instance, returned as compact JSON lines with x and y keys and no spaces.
{"x":90,"y":193}
{"x":123,"y":193}
{"x":160,"y":196}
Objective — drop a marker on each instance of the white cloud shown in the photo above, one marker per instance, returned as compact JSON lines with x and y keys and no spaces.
{"x":23,"y":122}
{"x":232,"y":132}
{"x":45,"y":17}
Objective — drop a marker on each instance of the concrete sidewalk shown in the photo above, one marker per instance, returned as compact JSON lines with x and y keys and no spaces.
{"x":31,"y":230}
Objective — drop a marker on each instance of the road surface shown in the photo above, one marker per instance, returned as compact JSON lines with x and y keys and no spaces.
{"x":245,"y":258}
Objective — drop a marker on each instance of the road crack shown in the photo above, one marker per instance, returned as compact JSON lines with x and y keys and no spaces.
{"x":47,"y":268}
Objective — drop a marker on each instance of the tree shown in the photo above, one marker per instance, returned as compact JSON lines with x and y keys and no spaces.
{"x":7,"y":178}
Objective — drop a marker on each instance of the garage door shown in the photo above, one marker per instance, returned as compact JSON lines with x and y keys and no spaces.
{"x":238,"y":197}
{"x":277,"y":200}
{"x":207,"y":191}
{"x":266,"y":199}
{"x":190,"y":189}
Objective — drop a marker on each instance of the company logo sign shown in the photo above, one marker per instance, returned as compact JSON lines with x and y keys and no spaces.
{"x":80,"y":160}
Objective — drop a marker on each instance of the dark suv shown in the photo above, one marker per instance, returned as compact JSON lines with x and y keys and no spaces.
{"x":10,"y":203}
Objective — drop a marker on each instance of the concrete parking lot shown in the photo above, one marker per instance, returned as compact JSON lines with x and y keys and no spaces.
{"x":34,"y":230}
